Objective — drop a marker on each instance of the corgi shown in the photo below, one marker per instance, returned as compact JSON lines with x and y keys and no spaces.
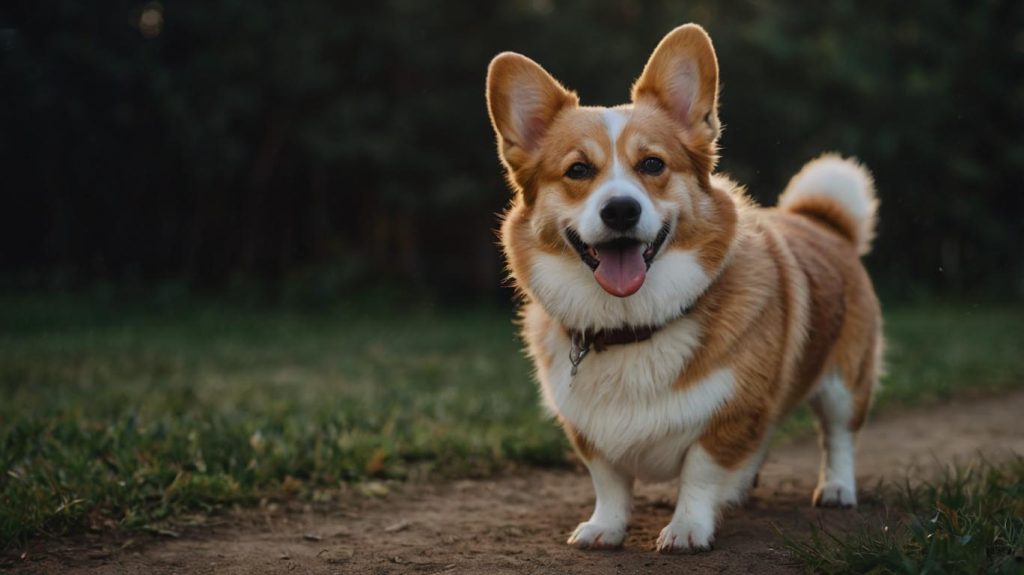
{"x":673,"y":322}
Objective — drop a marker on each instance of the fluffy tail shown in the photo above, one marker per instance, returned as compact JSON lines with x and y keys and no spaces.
{"x":838,"y":192}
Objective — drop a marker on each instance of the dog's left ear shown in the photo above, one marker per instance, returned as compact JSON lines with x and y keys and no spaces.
{"x":682,"y":77}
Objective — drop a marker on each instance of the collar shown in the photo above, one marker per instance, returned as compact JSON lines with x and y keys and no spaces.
{"x":582,"y":342}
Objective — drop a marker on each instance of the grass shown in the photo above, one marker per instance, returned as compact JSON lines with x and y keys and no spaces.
{"x":970,"y":521}
{"x":116,"y":415}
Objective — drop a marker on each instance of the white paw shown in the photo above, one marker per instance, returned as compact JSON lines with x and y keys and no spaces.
{"x":686,"y":537}
{"x":835,"y":494}
{"x":590,"y":535}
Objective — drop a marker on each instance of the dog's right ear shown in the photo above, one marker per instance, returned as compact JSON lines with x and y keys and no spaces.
{"x":523,"y":100}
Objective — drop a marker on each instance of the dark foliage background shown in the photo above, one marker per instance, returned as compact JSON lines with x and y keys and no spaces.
{"x":313,"y":148}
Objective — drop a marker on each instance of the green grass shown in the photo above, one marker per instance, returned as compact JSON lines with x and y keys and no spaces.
{"x":971,"y":521}
{"x":115,"y":415}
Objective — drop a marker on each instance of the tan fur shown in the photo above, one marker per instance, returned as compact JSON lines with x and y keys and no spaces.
{"x":802,"y":196}
{"x":748,"y":315}
{"x":789,"y":300}
{"x":581,"y":444}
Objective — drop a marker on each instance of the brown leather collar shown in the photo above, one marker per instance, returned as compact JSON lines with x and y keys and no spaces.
{"x":582,"y":342}
{"x":600,"y":340}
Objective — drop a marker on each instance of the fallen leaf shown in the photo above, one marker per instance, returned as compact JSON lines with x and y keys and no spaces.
{"x":377,"y":462}
{"x":374,"y":489}
{"x":337,"y":554}
{"x":164,"y":532}
{"x":396,"y":527}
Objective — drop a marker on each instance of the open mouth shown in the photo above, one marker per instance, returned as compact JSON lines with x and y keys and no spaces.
{"x":620,"y":265}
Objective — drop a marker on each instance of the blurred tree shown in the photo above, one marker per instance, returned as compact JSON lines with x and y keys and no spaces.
{"x":345,"y":142}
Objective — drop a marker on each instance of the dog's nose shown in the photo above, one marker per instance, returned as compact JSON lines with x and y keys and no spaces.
{"x":621,"y":213}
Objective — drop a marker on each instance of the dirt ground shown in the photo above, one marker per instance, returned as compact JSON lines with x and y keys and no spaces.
{"x":518,"y":523}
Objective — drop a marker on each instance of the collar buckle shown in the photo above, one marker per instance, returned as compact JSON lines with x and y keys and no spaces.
{"x":579,"y":348}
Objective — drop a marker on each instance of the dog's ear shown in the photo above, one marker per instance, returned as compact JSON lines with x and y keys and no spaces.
{"x":682,"y":77}
{"x":523,"y":100}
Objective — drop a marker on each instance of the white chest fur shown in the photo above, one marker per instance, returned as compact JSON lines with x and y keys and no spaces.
{"x":623,"y":400}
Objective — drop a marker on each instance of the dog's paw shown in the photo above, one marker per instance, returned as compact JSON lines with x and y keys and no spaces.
{"x":590,"y":535}
{"x":834,"y":494}
{"x":685,"y":537}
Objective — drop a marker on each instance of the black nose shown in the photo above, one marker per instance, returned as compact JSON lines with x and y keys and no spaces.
{"x":620,"y":214}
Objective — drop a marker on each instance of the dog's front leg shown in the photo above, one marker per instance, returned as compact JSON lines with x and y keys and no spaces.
{"x":692,"y":528}
{"x":606,"y":528}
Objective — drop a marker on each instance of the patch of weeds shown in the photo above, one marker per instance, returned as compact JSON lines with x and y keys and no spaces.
{"x":969,"y":521}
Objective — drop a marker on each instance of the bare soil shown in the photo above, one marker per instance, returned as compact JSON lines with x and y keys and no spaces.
{"x":518,"y":523}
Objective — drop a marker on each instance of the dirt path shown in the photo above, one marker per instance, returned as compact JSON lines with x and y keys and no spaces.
{"x":517,"y":524}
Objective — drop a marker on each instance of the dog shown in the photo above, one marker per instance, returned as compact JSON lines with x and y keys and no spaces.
{"x":673,"y":322}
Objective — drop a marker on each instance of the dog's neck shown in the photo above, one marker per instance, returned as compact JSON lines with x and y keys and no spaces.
{"x":600,"y":339}
{"x":585,"y":341}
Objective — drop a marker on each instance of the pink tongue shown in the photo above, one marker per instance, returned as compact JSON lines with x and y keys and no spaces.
{"x":622,"y":270}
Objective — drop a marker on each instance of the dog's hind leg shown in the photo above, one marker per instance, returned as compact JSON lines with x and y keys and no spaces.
{"x":833,"y":405}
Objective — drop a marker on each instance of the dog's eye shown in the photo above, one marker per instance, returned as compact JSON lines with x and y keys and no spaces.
{"x":651,"y":166}
{"x":579,"y":171}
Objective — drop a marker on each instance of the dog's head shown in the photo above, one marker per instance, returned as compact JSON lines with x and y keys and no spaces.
{"x":612,"y":193}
